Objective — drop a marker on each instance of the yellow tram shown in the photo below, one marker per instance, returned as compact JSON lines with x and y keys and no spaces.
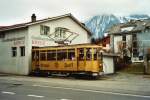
{"x":70,"y":59}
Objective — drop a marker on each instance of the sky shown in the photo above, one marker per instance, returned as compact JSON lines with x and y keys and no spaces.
{"x":17,"y":11}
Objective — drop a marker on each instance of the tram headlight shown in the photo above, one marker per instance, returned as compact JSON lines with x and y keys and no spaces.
{"x":95,"y":74}
{"x":100,"y":65}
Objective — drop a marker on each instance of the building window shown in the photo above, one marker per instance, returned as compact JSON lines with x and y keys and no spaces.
{"x":123,"y":38}
{"x":124,"y":44}
{"x":14,"y":51}
{"x":60,"y":32}
{"x":2,"y":35}
{"x":146,"y":30}
{"x":134,"y":37}
{"x":44,"y":30}
{"x":140,"y":57}
{"x":134,"y":44}
{"x":135,"y":53}
{"x":148,"y":57}
{"x":22,"y":51}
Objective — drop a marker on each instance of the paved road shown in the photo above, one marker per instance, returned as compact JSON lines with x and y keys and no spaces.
{"x":28,"y":90}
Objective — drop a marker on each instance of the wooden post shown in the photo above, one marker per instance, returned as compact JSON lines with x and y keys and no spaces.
{"x":145,"y":63}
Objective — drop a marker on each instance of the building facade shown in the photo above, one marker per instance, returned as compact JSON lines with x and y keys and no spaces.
{"x":17,"y":41}
{"x":131,"y":40}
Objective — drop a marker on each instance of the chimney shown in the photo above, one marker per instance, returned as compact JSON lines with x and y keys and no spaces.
{"x":33,"y":18}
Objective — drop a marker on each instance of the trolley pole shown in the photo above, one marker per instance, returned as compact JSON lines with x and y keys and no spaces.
{"x":145,"y":64}
{"x":145,"y":59}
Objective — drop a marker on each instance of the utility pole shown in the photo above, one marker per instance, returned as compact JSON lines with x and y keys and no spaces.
{"x":145,"y":64}
{"x":145,"y":59}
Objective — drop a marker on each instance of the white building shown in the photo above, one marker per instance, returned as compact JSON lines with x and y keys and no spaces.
{"x":17,"y":41}
{"x":131,"y":39}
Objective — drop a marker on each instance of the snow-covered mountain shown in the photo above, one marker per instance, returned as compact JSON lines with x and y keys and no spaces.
{"x":100,"y":23}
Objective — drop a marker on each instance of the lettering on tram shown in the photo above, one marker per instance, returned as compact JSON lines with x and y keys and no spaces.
{"x":73,"y":59}
{"x":44,"y":65}
{"x":68,"y":65}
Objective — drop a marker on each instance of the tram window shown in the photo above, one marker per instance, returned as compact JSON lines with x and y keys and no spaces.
{"x":95,"y":54}
{"x":62,"y":55}
{"x":71,"y":54}
{"x":43,"y":56}
{"x":51,"y":55}
{"x":81,"y":54}
{"x":37,"y":55}
{"x":33,"y":56}
{"x":88,"y":54}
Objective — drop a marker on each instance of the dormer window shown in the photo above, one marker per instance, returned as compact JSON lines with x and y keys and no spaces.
{"x":44,"y":30}
{"x":60,"y":32}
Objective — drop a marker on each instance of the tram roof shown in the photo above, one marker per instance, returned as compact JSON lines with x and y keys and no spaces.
{"x":70,"y":46}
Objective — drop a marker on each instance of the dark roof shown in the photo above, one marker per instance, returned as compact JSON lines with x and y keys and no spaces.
{"x":2,"y":26}
{"x":138,"y":26}
{"x":110,"y":54}
{"x":5,"y":28}
{"x":23,"y":25}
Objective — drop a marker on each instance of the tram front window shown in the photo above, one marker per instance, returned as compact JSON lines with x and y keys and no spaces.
{"x":88,"y":54}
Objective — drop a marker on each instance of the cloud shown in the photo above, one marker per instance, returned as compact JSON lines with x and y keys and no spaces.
{"x":13,"y":11}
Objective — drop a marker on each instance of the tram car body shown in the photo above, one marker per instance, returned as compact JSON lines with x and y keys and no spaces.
{"x":72,"y":59}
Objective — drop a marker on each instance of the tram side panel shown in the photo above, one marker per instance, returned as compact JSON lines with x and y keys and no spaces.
{"x":81,"y":62}
{"x":35,"y":59}
{"x":42,"y":61}
{"x":88,"y":60}
{"x":58,"y":66}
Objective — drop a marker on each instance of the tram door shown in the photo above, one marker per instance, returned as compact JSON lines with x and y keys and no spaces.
{"x":85,"y":62}
{"x":88,"y":59}
{"x":80,"y":59}
{"x":35,"y":59}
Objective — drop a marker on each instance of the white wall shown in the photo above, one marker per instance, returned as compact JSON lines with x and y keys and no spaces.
{"x":65,"y":22}
{"x":129,"y":40}
{"x":108,"y":64}
{"x":22,"y":65}
{"x":9,"y":64}
{"x":116,"y":40}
